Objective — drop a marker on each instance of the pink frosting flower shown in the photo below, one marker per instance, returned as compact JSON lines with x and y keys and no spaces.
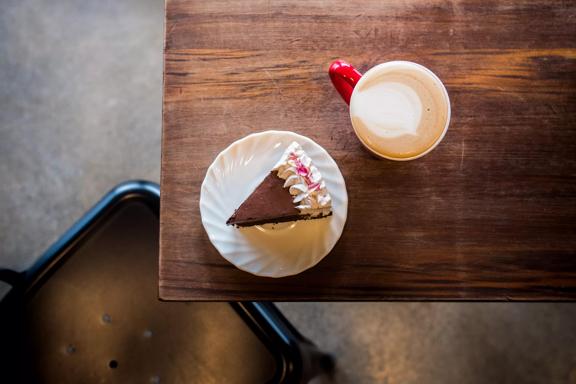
{"x":302,"y":170}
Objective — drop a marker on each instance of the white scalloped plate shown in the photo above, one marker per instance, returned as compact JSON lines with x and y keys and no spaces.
{"x":269,"y":250}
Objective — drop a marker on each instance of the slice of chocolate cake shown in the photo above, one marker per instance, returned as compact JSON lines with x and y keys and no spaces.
{"x":293,"y":190}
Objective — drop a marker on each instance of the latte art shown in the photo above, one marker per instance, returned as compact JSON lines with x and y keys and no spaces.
{"x":400,"y":110}
{"x":389,"y":109}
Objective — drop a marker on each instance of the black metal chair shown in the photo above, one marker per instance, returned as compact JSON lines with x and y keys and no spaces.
{"x":88,"y":311}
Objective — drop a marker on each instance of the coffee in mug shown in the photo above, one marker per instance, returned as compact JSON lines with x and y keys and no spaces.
{"x":399,"y":110}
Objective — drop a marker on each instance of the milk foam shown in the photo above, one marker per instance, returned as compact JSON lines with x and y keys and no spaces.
{"x":389,"y":109}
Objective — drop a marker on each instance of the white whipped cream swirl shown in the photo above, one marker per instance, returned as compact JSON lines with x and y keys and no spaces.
{"x":304,"y":181}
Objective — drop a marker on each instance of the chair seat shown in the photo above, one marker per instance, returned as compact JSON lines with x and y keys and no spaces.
{"x":98,"y":318}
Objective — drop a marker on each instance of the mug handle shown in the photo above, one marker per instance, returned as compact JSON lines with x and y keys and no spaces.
{"x":344,"y":77}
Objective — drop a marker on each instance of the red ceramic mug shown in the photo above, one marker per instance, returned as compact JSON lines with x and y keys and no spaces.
{"x":399,"y":110}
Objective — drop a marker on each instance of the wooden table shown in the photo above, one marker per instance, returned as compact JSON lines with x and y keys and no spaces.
{"x":490,"y":214}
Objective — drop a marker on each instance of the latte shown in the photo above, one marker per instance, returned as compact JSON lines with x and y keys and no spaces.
{"x":400,"y":110}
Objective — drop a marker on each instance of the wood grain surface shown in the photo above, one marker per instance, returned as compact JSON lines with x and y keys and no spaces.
{"x":490,"y":214}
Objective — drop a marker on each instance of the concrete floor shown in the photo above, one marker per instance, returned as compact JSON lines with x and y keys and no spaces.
{"x":80,"y":110}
